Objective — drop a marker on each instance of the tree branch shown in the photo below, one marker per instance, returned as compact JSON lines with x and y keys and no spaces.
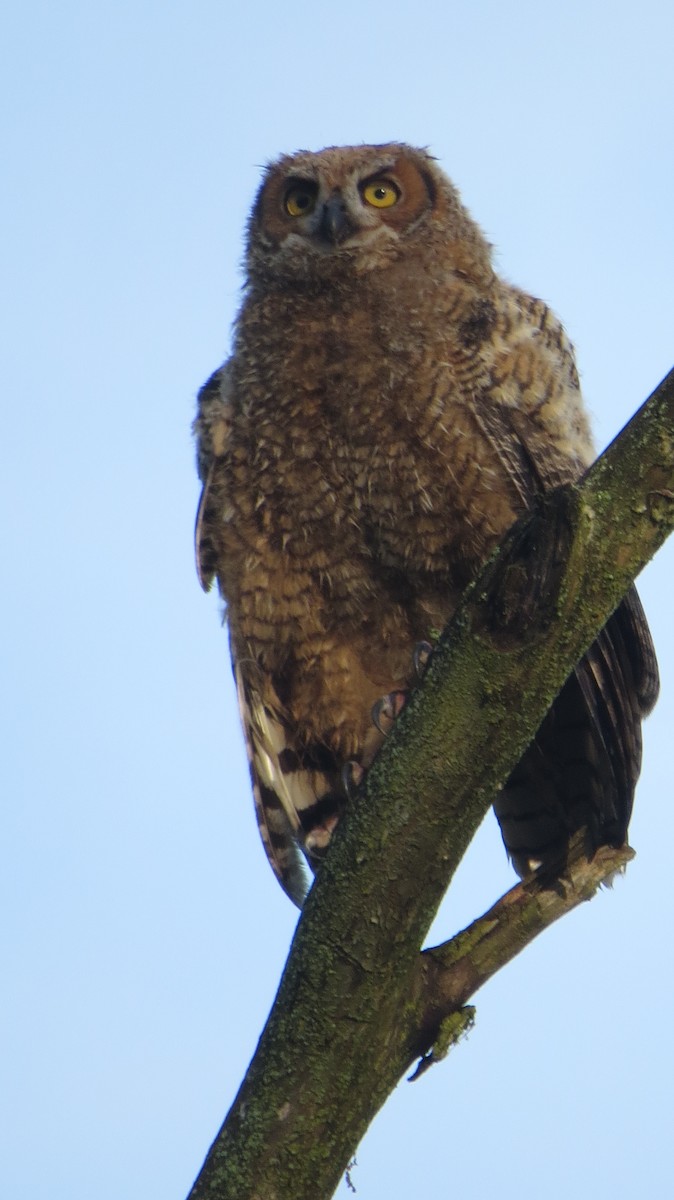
{"x":357,"y":1000}
{"x":454,"y":971}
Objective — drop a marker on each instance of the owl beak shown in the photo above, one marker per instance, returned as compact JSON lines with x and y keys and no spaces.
{"x":335,"y":224}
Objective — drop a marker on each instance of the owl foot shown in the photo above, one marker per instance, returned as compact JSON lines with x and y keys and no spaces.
{"x":421,"y":658}
{"x":387,"y":709}
{"x":317,"y":840}
{"x":352,"y":773}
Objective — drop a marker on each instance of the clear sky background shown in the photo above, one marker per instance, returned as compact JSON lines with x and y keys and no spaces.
{"x":143,"y":934}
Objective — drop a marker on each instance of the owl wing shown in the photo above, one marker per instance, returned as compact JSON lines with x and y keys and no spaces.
{"x":278,"y":789}
{"x":581,"y":769}
{"x":298,"y":788}
{"x":274,"y":793}
{"x":211,"y":429}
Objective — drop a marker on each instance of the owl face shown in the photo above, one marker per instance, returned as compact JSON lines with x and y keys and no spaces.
{"x":349,"y":206}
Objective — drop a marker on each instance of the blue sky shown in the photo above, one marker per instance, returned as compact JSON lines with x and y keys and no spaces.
{"x":142,"y":932}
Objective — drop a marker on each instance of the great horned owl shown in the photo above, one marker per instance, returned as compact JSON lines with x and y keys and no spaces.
{"x":390,"y":407}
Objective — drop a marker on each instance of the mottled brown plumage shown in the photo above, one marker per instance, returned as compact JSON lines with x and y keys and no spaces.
{"x":390,"y":407}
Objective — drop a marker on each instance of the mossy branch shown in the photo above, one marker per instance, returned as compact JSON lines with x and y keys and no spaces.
{"x":453,"y":972}
{"x":358,"y":1002}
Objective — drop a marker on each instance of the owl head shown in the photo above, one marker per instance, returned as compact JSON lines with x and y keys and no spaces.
{"x":355,"y":209}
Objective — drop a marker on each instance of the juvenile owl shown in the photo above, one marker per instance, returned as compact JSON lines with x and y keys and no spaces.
{"x":390,"y":407}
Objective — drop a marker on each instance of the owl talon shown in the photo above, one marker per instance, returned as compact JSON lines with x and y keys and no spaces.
{"x":386,"y":710}
{"x":352,"y":773}
{"x":421,"y":657}
{"x":318,"y":838}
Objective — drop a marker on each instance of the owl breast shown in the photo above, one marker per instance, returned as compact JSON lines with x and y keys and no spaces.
{"x":365,"y":467}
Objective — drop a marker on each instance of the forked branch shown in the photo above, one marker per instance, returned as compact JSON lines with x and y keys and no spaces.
{"x":454,"y":971}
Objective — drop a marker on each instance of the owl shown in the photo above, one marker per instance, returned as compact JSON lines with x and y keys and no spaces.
{"x":390,"y":407}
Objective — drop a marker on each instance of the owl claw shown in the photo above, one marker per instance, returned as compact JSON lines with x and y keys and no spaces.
{"x":387,"y":709}
{"x":421,"y":658}
{"x":352,"y":773}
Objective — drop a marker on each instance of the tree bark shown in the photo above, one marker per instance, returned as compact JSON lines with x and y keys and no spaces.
{"x":358,"y":1002}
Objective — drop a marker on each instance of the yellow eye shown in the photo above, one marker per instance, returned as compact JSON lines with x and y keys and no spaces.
{"x":300,"y":199}
{"x":381,"y":193}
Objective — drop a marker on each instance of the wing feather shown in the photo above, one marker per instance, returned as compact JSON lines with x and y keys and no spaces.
{"x":275,"y":807}
{"x":582,"y":767}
